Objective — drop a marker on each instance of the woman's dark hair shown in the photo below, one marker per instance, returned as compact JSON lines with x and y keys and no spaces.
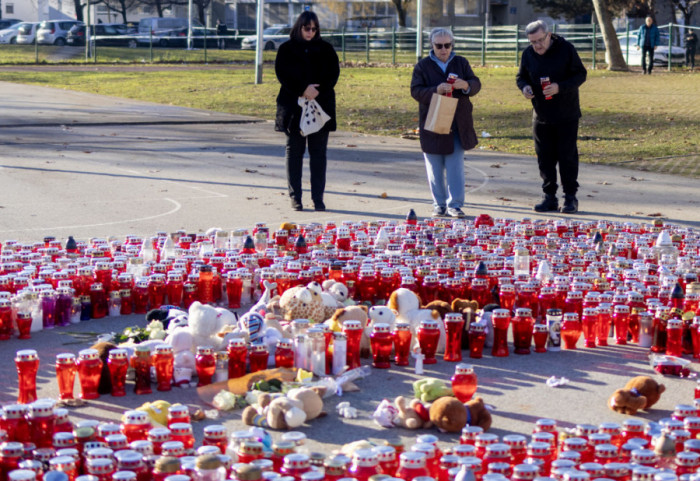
{"x":306,"y":18}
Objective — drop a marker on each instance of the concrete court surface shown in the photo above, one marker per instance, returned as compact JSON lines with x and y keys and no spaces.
{"x":91,"y":166}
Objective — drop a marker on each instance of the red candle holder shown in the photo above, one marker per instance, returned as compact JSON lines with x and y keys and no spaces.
{"x":284,"y":354}
{"x":621,"y":319}
{"x":501,"y":320}
{"x":540,"y":335}
{"x":454,"y":326}
{"x":27,"y":364}
{"x":163,"y":361}
{"x":237,"y":355}
{"x":141,"y":362}
{"x":205,"y":364}
{"x":89,"y":372}
{"x":464,"y":382}
{"x":353,"y":332}
{"x":381,"y":342}
{"x":522,"y":330}
{"x":674,"y":337}
{"x":118,"y":365}
{"x":570,"y":330}
{"x":402,"y":343}
{"x":604,"y":323}
{"x":258,"y":357}
{"x":65,"y":375}
{"x":477,"y":338}
{"x":589,"y":325}
{"x":24,"y":325}
{"x":428,"y":336}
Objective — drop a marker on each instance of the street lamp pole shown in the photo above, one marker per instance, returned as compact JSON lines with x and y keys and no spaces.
{"x":419,"y":29}
{"x":189,"y":25}
{"x":259,"y":43}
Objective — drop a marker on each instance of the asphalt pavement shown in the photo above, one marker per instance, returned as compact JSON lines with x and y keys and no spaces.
{"x":93,"y":166}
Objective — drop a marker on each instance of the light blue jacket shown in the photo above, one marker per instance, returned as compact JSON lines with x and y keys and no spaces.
{"x":653,"y":33}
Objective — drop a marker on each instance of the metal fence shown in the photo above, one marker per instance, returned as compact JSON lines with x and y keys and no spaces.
{"x":501,"y":45}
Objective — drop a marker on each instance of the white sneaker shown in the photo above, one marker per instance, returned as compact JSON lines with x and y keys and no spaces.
{"x":456,"y":212}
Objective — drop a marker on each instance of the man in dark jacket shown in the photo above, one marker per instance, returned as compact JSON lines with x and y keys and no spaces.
{"x":550,"y":74}
{"x":648,"y":39}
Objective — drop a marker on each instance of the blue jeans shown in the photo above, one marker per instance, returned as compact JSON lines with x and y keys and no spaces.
{"x":446,"y":177}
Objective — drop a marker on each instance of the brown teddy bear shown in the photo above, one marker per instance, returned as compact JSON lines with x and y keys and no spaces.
{"x":300,"y":405}
{"x":353,"y":313}
{"x":640,"y":393}
{"x":468,"y":310}
{"x":449,"y":415}
{"x":412,"y":414}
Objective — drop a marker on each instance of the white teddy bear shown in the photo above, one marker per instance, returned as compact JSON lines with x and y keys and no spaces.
{"x":184,"y":361}
{"x":205,"y":323}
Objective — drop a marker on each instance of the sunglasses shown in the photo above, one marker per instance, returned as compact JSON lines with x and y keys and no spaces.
{"x":440,"y":46}
{"x":309,"y":29}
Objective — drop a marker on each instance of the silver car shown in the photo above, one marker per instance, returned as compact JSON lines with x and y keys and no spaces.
{"x":54,"y":32}
{"x":273,"y":37}
{"x":9,"y":34}
{"x":27,"y":33}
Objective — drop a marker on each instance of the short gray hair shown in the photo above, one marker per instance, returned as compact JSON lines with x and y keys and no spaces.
{"x":441,"y":32}
{"x":536,"y":26}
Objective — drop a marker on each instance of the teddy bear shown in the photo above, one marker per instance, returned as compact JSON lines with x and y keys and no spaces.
{"x":640,"y":393}
{"x":430,"y":389}
{"x":181,"y":340}
{"x":468,"y":310}
{"x":339,"y":291}
{"x":274,"y":412}
{"x":204,"y":323}
{"x":412,"y":414}
{"x":449,"y":415}
{"x":381,"y":314}
{"x":299,"y":302}
{"x":329,"y":302}
{"x":352,"y":313}
{"x":288,"y":411}
{"x":407,"y":304}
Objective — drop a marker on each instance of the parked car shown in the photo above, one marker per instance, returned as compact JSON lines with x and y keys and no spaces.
{"x":27,"y":33}
{"x":178,"y":38}
{"x":660,"y":54}
{"x":8,"y":22}
{"x":156,"y":28}
{"x":54,"y":32}
{"x":9,"y":34}
{"x":273,"y":37}
{"x":103,"y":34}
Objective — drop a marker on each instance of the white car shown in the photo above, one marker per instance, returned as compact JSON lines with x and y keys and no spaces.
{"x":273,"y":37}
{"x":55,"y":32}
{"x":9,"y":34}
{"x":27,"y":33}
{"x":660,"y":54}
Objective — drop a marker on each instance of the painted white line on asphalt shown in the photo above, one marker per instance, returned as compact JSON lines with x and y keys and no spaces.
{"x":484,"y":182}
{"x":200,"y":189}
{"x":177,"y":207}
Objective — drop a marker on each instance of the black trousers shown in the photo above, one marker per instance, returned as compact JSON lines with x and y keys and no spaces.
{"x":296,"y":147}
{"x":647,"y":51}
{"x":555,"y":144}
{"x":690,"y":57}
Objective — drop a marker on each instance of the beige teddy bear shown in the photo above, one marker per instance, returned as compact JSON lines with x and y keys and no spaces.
{"x":299,"y":302}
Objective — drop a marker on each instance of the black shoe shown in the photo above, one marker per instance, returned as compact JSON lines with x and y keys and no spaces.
{"x":549,"y":204}
{"x":570,"y":205}
{"x":319,"y":206}
{"x":296,"y":204}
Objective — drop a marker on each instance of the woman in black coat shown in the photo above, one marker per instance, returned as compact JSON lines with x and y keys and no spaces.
{"x":444,"y":153}
{"x":308,"y":67}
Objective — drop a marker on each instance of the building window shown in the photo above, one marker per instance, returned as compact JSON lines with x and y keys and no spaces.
{"x":9,"y":8}
{"x":466,"y":7}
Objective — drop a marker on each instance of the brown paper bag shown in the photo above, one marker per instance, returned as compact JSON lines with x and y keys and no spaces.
{"x":440,"y":114}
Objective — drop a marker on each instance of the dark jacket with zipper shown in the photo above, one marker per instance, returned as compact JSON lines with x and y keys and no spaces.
{"x":298,"y":64}
{"x":427,"y":75}
{"x":563,"y":66}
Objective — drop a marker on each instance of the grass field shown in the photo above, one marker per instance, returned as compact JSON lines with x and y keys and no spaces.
{"x":642,"y":122}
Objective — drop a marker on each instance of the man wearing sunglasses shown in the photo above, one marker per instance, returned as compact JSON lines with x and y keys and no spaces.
{"x":550,"y":74}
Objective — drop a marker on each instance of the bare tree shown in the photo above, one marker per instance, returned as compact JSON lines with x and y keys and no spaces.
{"x":686,"y":7}
{"x":120,"y":7}
{"x":80,"y":5}
{"x":401,"y":6}
{"x":612,"y":45}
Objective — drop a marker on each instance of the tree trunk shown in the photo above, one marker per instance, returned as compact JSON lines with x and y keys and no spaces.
{"x":400,"y":11}
{"x":78,"y":10}
{"x":613,"y":52}
{"x":159,"y":8}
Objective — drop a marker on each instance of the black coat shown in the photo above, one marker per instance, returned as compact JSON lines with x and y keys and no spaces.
{"x":427,"y":75}
{"x":563,"y":66}
{"x":298,"y":64}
